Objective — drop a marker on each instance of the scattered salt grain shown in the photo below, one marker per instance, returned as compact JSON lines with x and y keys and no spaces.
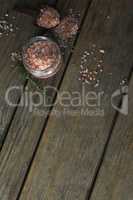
{"x":97,"y":83}
{"x":102,"y":51}
{"x":95,"y":72}
{"x":11,"y":29}
{"x":100,"y":61}
{"x":86,"y":81}
{"x":5,"y":26}
{"x":6,"y":15}
{"x":123,"y":82}
{"x":88,"y":76}
{"x":94,"y":45}
{"x":108,"y":17}
{"x":16,"y":56}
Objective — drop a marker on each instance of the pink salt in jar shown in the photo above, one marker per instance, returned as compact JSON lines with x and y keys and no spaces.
{"x":42,"y":57}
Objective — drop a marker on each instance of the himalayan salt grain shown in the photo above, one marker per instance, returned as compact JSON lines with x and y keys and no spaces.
{"x":97,"y":83}
{"x":86,"y":81}
{"x":101,"y":51}
{"x":101,"y":70}
{"x":108,"y":17}
{"x":100,"y":61}
{"x":95,"y":72}
{"x":98,"y":65}
{"x":123,"y":82}
{"x":94,"y":45}
{"x":48,"y":18}
{"x":13,"y":56}
{"x":6,"y":27}
{"x":11,"y":29}
{"x":67,"y":28}
{"x":16,"y":56}
{"x":41,"y":55}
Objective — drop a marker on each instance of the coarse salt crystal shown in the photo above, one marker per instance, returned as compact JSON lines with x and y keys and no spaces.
{"x":102,"y":51}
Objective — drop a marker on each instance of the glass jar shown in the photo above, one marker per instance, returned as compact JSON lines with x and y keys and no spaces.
{"x":42,"y":57}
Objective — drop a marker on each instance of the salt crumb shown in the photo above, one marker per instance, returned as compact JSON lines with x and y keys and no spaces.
{"x":108,"y":17}
{"x":16,"y":56}
{"x":123,"y":82}
{"x":94,"y":45}
{"x":86,"y":81}
{"x":5,"y":26}
{"x":100,"y":61}
{"x":97,"y":83}
{"x":90,"y":76}
{"x":101,"y":51}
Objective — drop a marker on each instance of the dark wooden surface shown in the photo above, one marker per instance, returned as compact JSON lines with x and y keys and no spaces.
{"x":70,"y":157}
{"x":28,"y":126}
{"x":9,"y":75}
{"x":71,"y":148}
{"x":115,"y":178}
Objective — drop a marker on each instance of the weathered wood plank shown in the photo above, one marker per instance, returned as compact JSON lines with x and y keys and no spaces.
{"x":115,"y":179}
{"x":28,"y":29}
{"x":25,"y":132}
{"x":71,"y":147}
{"x":7,"y":112}
{"x":36,"y":3}
{"x":7,"y":5}
{"x":10,"y":76}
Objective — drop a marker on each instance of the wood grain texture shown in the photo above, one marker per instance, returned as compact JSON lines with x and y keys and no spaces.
{"x":71,"y":147}
{"x":115,"y":179}
{"x":25,"y":131}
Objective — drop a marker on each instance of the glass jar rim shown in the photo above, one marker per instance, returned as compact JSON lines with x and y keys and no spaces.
{"x":37,"y":39}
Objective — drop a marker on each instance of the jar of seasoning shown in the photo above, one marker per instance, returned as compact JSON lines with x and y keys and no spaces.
{"x":42,"y":57}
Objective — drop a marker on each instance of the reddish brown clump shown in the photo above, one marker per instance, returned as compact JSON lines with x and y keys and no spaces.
{"x":41,"y":55}
{"x":48,"y":18}
{"x":68,"y":27}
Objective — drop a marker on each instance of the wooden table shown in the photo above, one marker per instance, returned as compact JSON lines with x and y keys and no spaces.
{"x":66,"y":156}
